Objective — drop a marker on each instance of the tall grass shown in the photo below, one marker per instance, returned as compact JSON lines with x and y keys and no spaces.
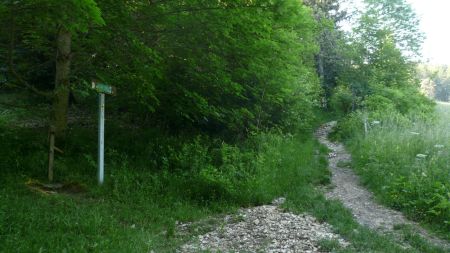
{"x":152,"y":182}
{"x":408,"y":166}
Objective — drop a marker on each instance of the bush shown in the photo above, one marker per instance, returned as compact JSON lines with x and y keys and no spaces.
{"x":388,"y":106}
{"x":349,"y":126}
{"x":342,"y":101}
{"x":378,"y":103}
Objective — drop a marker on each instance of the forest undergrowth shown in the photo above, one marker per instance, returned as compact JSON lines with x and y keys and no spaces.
{"x":153,"y":182}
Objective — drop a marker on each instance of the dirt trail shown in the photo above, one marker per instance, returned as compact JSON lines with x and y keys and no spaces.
{"x":360,"y":201}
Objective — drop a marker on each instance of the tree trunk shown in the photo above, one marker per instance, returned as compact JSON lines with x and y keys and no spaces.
{"x":321,"y":73}
{"x":62,"y":82}
{"x":320,"y":68}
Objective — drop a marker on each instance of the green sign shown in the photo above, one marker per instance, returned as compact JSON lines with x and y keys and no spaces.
{"x":104,"y":88}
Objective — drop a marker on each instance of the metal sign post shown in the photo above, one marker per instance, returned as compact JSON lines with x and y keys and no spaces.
{"x":102,"y":89}
{"x":101,"y":137}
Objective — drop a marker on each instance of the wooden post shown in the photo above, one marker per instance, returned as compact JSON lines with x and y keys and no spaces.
{"x":366,"y":128}
{"x":366,"y":123}
{"x":51,"y":153}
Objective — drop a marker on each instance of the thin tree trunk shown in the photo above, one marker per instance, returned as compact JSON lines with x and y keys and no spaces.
{"x":62,"y":82}
{"x":321,"y":73}
{"x":320,"y":68}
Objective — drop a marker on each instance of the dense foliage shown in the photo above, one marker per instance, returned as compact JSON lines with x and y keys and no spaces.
{"x":331,"y":39}
{"x":381,"y":72}
{"x":233,"y":66}
{"x":216,"y":104}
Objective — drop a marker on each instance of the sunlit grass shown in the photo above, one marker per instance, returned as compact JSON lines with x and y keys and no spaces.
{"x":408,"y":167}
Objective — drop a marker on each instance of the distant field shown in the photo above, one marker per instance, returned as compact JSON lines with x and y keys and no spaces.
{"x":443,"y":109}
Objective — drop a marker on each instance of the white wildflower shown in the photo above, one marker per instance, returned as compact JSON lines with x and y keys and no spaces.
{"x":415,"y":133}
{"x":421,"y":156}
{"x":376,"y":122}
{"x":438,"y":146}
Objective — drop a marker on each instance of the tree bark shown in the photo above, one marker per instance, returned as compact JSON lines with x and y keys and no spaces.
{"x":62,"y":82}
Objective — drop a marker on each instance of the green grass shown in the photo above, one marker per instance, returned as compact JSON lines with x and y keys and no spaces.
{"x":154,"y":181}
{"x":408,"y":167}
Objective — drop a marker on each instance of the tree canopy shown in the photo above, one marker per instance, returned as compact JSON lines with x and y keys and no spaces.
{"x":217,"y":66}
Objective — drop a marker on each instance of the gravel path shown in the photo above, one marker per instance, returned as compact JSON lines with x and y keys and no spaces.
{"x":264,"y":229}
{"x":360,"y":201}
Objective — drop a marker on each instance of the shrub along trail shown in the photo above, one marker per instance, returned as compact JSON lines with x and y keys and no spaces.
{"x":358,"y":199}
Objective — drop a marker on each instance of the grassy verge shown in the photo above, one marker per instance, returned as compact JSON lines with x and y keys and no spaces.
{"x":407,"y":166}
{"x":154,"y":181}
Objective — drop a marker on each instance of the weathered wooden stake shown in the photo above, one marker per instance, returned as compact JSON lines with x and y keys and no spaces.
{"x":51,"y":153}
